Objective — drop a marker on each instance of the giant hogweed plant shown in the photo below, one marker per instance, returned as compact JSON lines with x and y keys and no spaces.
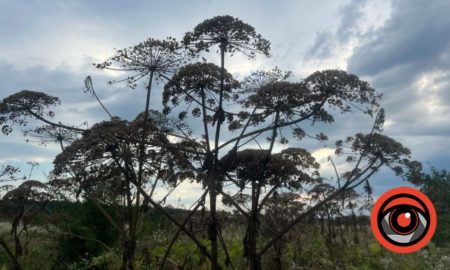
{"x":121,"y":162}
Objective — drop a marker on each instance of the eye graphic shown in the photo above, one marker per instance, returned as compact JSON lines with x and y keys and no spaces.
{"x":403,"y":224}
{"x":403,"y":220}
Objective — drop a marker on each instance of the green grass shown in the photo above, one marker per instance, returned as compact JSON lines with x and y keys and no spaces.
{"x":304,"y":248}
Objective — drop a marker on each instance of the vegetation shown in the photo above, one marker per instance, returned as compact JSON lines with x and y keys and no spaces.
{"x":98,"y":208}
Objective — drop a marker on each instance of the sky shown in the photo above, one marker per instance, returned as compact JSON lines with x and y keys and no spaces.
{"x":402,"y":48}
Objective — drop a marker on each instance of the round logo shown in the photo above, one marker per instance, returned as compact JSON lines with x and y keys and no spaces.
{"x":403,"y":220}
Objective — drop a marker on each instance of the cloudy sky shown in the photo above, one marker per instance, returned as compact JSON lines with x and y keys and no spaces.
{"x":401,"y":47}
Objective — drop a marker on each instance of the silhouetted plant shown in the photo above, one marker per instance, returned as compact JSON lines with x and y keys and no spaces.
{"x":18,"y":108}
{"x":230,"y":33}
{"x":153,"y":57}
{"x":119,"y":162}
{"x":99,"y":159}
{"x":290,"y":169}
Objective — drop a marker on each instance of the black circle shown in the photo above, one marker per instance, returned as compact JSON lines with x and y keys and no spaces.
{"x":401,"y":210}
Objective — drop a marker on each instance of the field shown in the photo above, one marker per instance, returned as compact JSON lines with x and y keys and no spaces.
{"x":310,"y":245}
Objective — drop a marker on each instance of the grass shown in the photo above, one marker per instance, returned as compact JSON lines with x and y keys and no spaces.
{"x":304,"y":248}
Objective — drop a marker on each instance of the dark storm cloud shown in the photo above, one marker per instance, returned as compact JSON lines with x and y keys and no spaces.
{"x":417,"y":33}
{"x":408,"y":60}
{"x":322,"y":47}
{"x":326,"y":41}
{"x":351,"y":16}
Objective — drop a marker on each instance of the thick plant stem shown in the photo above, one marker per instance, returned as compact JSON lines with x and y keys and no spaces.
{"x":212,"y":230}
{"x":214,"y":175}
{"x":15,"y":262}
{"x":130,"y":244}
{"x":254,"y":259}
{"x":128,"y":241}
{"x":253,"y":230}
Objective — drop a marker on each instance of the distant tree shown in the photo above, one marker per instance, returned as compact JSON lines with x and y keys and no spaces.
{"x":21,"y":205}
{"x":81,"y":230}
{"x":436,"y":185}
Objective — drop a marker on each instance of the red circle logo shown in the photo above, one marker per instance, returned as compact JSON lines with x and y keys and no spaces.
{"x":403,"y":220}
